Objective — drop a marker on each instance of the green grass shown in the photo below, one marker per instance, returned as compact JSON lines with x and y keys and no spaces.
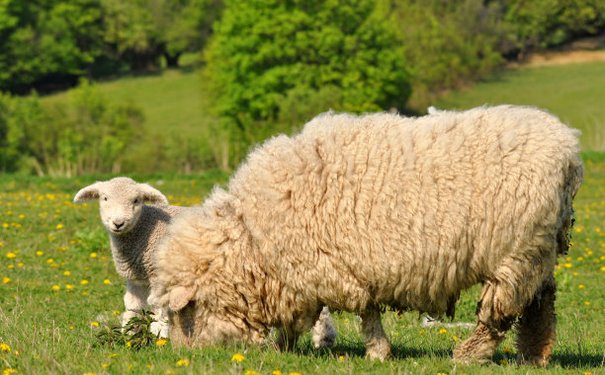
{"x":171,"y":100}
{"x":574,"y":92}
{"x":47,"y":242}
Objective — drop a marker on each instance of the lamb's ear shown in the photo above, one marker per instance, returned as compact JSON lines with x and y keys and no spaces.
{"x":180,"y":297}
{"x":88,"y":193}
{"x":153,"y":195}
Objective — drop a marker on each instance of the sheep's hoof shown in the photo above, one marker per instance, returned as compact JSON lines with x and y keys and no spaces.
{"x":159,"y":329}
{"x":379,"y":352}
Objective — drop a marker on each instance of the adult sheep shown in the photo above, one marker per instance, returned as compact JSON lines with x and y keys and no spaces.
{"x":358,"y":212}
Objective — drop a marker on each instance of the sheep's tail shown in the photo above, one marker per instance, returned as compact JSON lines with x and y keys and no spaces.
{"x":573,"y":182}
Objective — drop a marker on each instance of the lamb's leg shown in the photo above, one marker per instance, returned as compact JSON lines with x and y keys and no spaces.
{"x":536,"y":327}
{"x":135,"y":299}
{"x":503,"y":299}
{"x":376,"y":341}
{"x":323,"y":332}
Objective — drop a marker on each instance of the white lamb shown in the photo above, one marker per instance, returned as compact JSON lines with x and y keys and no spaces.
{"x":134,"y":229}
{"x":356,"y":212}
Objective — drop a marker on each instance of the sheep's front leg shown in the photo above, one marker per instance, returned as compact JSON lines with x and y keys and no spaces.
{"x":135,"y":299}
{"x":376,"y":341}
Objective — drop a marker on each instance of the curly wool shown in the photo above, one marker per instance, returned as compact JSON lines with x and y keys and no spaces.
{"x":357,"y":211}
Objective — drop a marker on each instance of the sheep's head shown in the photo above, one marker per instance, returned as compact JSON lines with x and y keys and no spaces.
{"x":121,"y":202}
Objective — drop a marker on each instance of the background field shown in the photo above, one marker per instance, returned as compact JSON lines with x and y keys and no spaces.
{"x":59,"y":285}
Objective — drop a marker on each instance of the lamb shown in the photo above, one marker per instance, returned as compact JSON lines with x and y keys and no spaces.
{"x":135,"y":230}
{"x":359,"y":212}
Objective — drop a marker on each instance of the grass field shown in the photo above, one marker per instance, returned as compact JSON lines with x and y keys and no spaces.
{"x":574,"y":92}
{"x":59,"y":286}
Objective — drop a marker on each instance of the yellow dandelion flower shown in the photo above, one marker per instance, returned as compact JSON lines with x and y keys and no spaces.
{"x":442,"y":331}
{"x":5,"y":225}
{"x":295,"y":373}
{"x":20,"y":264}
{"x":587,"y":372}
{"x":128,"y":344}
{"x":69,"y":287}
{"x":93,"y":255}
{"x":11,"y":255}
{"x":184,"y":362}
{"x":39,"y":253}
{"x":90,"y":373}
{"x":341,"y":358}
{"x":95,"y":324}
{"x":66,"y":273}
{"x":587,"y":303}
{"x":603,"y":268}
{"x":9,"y":371}
{"x":6,"y":280}
{"x":83,"y":282}
{"x":277,"y":372}
{"x":581,"y":286}
{"x":170,"y":372}
{"x":105,"y":365}
{"x":161,"y":342}
{"x":455,"y":338}
{"x":442,"y":373}
{"x":4,"y":347}
{"x":238,"y":357}
{"x":107,"y":282}
{"x":50,"y":260}
{"x":113,"y":355}
{"x":504,"y":361}
{"x":10,"y":266}
{"x":59,"y":226}
{"x":116,"y":312}
{"x":252,"y":372}
{"x":55,"y":288}
{"x":567,"y":265}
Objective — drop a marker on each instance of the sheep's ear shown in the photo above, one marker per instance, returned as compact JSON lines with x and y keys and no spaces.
{"x":88,"y":193}
{"x":180,"y":297}
{"x":153,"y":195}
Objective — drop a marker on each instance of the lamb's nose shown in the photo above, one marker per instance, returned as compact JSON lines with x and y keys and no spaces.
{"x":118,"y":224}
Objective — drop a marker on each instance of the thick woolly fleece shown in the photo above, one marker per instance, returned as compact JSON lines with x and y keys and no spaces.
{"x":360,"y":211}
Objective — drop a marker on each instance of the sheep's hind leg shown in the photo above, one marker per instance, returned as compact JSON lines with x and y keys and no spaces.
{"x":536,"y":327}
{"x":376,"y":341}
{"x":504,"y":297}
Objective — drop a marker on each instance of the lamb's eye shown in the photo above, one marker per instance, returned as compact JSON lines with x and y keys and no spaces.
{"x":105,"y":198}
{"x":136,"y":201}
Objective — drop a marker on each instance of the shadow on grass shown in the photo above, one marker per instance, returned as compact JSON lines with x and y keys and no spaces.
{"x":566,"y":360}
{"x":575,"y":360}
{"x":354,"y":349}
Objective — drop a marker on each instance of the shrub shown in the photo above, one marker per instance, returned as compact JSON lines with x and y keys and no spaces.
{"x":266,"y":54}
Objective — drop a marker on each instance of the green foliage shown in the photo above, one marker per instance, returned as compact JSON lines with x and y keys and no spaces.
{"x":86,"y":135}
{"x":136,"y":334}
{"x":547,"y":23}
{"x":448,"y":43}
{"x":265,"y":51}
{"x":46,"y":41}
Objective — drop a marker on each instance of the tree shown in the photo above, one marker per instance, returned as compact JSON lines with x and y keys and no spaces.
{"x":265,"y":54}
{"x":47,"y":43}
{"x":141,"y":31}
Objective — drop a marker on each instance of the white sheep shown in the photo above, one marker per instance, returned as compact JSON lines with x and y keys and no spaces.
{"x":356,"y":212}
{"x":135,"y":230}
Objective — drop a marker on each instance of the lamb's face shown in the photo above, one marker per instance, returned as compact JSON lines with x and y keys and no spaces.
{"x":121,"y":202}
{"x":120,"y":208}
